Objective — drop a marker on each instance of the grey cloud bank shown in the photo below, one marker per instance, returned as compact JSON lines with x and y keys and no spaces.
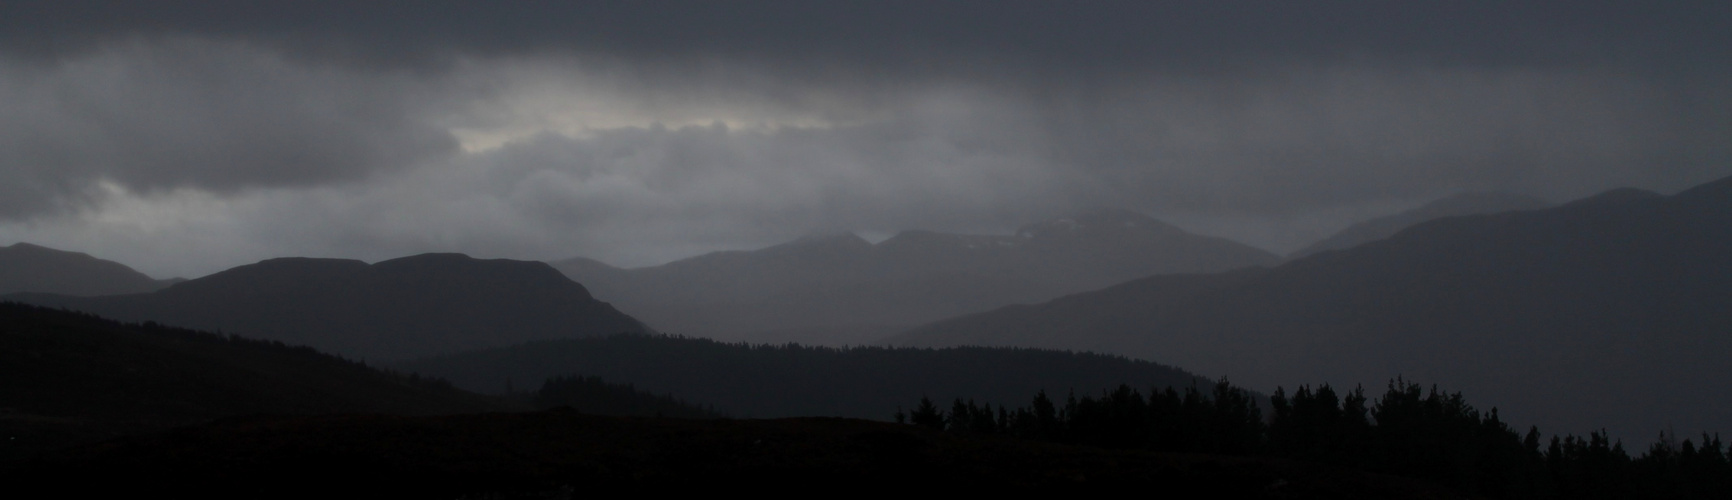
{"x":917,"y":36}
{"x":187,"y":138}
{"x":192,"y":113}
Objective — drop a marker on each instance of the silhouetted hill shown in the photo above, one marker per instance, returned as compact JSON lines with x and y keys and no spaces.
{"x":1715,"y":195}
{"x":29,"y":268}
{"x":1611,"y":311}
{"x":68,"y":377}
{"x":790,"y":380}
{"x":400,"y":308}
{"x":838,"y":288}
{"x":556,"y":454}
{"x":1454,"y":206}
{"x":595,"y":396}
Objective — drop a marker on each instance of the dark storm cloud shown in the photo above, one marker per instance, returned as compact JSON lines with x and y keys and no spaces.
{"x":189,"y":113}
{"x":922,"y":36}
{"x":333,"y":128}
{"x":1305,"y":138}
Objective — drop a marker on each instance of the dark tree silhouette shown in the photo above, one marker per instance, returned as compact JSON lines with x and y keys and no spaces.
{"x":1408,"y":431}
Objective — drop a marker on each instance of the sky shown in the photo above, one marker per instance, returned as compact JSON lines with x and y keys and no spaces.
{"x":183,"y":138}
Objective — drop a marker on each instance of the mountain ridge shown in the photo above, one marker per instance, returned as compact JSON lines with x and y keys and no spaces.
{"x":1452,"y":206}
{"x":838,"y":288}
{"x":27,"y":267}
{"x":399,"y":308}
{"x":1618,"y":296}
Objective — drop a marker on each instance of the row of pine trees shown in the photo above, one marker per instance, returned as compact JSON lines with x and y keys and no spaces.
{"x":1409,"y":431}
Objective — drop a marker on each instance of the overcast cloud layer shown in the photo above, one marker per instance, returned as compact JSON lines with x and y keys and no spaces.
{"x":184,"y":138}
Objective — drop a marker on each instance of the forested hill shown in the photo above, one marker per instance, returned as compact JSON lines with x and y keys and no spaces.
{"x":66,"y":377}
{"x":790,"y":380}
{"x":396,"y":309}
{"x":1609,"y":311}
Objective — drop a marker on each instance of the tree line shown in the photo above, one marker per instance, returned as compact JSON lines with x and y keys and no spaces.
{"x":1408,"y":431}
{"x":792,"y":380}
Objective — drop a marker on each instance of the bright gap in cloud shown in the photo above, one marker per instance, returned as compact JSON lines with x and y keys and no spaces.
{"x":521,"y":98}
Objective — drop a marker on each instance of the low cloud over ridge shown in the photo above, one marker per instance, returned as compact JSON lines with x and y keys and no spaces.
{"x":638,"y":136}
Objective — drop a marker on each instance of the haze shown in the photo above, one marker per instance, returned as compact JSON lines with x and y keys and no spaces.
{"x":183,"y":138}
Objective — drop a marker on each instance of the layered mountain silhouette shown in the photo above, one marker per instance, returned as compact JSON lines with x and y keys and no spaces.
{"x":30,"y":268}
{"x":839,"y":288}
{"x":1611,"y":311}
{"x":790,"y":380}
{"x":67,"y":377}
{"x":1454,"y":206}
{"x":412,"y":306}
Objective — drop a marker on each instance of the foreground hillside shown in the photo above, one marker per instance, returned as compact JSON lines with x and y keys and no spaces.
{"x":30,"y":268}
{"x":1609,"y":311}
{"x":786,"y":381}
{"x":400,"y":308}
{"x":840,"y":289}
{"x":560,"y":454}
{"x":67,"y":377}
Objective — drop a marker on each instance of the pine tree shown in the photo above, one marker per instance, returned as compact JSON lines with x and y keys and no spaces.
{"x":927,"y":414}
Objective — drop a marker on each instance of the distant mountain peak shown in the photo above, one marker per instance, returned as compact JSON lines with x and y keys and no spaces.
{"x":27,"y":267}
{"x":1716,"y":194}
{"x":1620,"y":195}
{"x":446,"y":261}
{"x":437,"y":256}
{"x":918,"y":237}
{"x":31,"y":246}
{"x":825,"y":242}
{"x":1097,"y":220}
{"x":586,"y":263}
{"x":825,"y":286}
{"x":302,"y":261}
{"x":1478,"y":201}
{"x":831,"y":238}
{"x":26,"y":248}
{"x":411,"y":306}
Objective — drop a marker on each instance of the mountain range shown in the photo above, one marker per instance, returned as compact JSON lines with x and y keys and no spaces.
{"x":400,"y":308}
{"x":840,"y":288}
{"x":1608,"y":311}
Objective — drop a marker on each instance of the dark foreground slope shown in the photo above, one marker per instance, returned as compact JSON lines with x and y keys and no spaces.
{"x":29,"y":268}
{"x":787,"y":381}
{"x":400,"y":308}
{"x":1610,"y":311}
{"x":562,"y":454}
{"x":840,"y":289}
{"x":67,"y":377}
